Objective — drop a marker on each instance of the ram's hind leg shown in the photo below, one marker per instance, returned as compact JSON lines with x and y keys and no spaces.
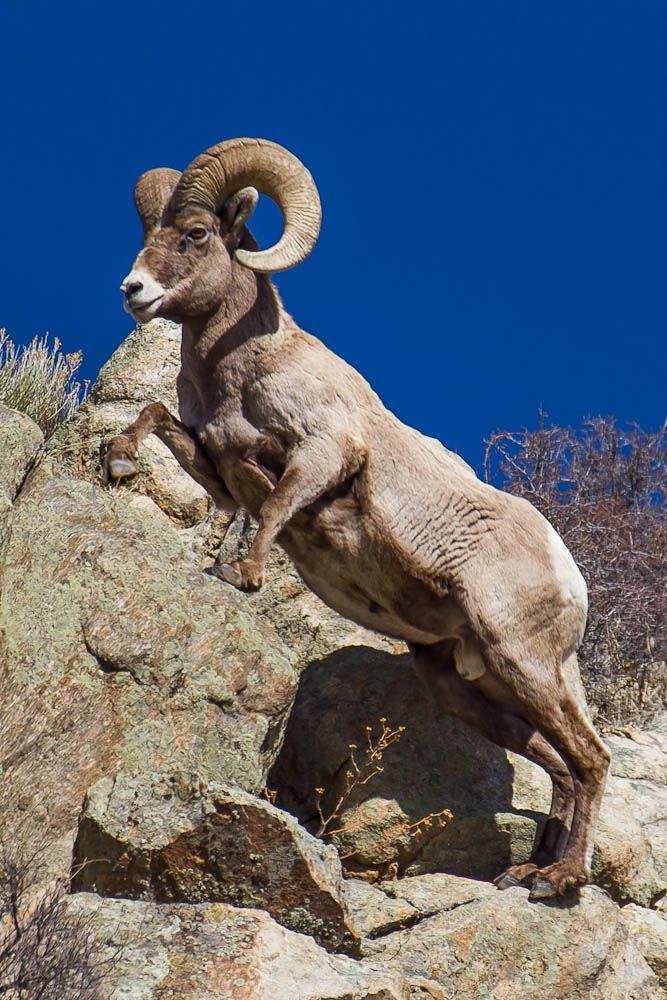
{"x":488,"y":707}
{"x":588,"y":760}
{"x":548,"y":704}
{"x":121,"y":452}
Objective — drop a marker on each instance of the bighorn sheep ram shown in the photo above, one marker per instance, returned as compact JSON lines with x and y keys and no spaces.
{"x":385,"y":525}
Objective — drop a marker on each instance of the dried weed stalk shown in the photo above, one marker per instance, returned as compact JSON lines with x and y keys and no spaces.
{"x":359,"y":772}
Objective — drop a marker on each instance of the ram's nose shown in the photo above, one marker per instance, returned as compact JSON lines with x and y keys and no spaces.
{"x":131,"y":286}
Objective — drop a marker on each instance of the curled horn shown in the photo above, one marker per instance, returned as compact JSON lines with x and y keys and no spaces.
{"x":237,"y":163}
{"x":151,"y":195}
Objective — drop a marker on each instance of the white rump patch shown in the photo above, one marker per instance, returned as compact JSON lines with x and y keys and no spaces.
{"x":567,"y":572}
{"x":468,"y":659}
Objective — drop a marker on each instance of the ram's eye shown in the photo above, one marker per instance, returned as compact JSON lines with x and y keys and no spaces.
{"x":197,"y":233}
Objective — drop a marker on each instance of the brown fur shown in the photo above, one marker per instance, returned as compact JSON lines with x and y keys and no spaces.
{"x":385,"y":525}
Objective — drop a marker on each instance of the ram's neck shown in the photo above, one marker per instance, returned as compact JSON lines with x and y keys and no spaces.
{"x":247,"y":323}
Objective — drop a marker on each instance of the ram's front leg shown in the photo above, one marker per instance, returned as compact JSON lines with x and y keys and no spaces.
{"x":313,"y":470}
{"x":121,"y":452}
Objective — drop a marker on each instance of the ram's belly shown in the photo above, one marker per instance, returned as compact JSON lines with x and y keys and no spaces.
{"x":344,"y":562}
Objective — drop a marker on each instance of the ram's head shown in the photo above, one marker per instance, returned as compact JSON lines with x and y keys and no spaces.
{"x":195,"y":226}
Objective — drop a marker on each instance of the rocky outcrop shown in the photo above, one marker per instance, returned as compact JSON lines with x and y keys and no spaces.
{"x":465,"y":941}
{"x":124,"y":656}
{"x":648,"y":930}
{"x":142,"y":370}
{"x":502,"y":946}
{"x":138,"y":682}
{"x":472,"y":943}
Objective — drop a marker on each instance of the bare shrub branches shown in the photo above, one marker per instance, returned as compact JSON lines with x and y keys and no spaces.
{"x":39,"y":380}
{"x":604,"y":489}
{"x":46,"y":951}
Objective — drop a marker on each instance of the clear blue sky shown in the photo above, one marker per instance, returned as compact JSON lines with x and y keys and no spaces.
{"x":493,"y":177}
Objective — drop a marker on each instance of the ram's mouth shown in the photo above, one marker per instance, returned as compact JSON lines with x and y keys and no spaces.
{"x":144,"y":312}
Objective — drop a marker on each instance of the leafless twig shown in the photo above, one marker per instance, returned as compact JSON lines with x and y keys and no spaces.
{"x":604,"y":488}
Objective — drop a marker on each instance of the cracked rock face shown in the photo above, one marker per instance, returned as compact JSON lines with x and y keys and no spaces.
{"x":463,"y":940}
{"x":504,"y":947}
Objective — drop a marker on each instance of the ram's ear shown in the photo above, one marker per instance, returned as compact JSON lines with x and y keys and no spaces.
{"x":236,"y":213}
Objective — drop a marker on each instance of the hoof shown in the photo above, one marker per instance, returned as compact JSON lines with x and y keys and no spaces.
{"x":231,"y":574}
{"x":119,"y":468}
{"x":245,"y":574}
{"x":506,"y":881}
{"x":542,"y":889}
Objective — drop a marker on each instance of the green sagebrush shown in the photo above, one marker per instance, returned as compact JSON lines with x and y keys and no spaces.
{"x":39,"y":380}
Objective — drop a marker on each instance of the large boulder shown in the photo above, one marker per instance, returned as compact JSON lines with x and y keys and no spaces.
{"x":492,"y":944}
{"x":127,"y":668}
{"x":460,"y":939}
{"x":116,"y":645}
{"x":174,"y":838}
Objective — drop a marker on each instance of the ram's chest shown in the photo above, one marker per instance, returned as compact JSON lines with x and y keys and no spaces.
{"x":249,"y":460}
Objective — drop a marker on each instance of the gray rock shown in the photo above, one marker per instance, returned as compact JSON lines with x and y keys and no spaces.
{"x":500,"y":945}
{"x":439,"y":892}
{"x":374,"y":911}
{"x":630,"y":857}
{"x":20,"y":440}
{"x":220,"y":952}
{"x":119,"y":657}
{"x":142,"y":370}
{"x":648,"y":930}
{"x":173,"y":838}
{"x":640,"y":756}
